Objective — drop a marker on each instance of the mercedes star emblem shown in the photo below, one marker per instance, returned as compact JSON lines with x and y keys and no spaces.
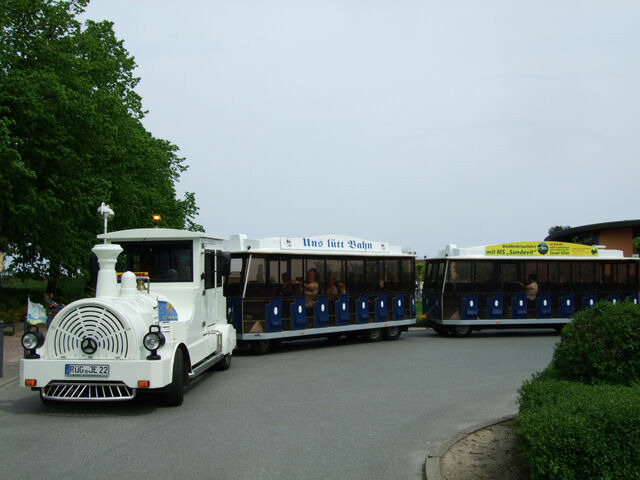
{"x":89,"y":346}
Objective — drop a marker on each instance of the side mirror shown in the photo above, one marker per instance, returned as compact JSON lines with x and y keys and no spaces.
{"x":224,"y":263}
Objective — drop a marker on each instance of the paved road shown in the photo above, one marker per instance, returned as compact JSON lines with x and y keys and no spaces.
{"x":310,"y":410}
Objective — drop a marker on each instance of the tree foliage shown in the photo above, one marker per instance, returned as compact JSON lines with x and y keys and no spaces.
{"x":558,"y":228}
{"x":71,"y":136}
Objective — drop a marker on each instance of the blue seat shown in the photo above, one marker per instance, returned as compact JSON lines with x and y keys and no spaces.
{"x":298,"y":314}
{"x":431,"y":305}
{"x":469,"y":307}
{"x":567,"y":305}
{"x":342,"y":310}
{"x":273,"y":315}
{"x":495,"y":309}
{"x":543,"y":306}
{"x":321,"y":312}
{"x":634,"y":299}
{"x":381,"y":308}
{"x":589,"y":300}
{"x":234,"y":313}
{"x":613,"y":298}
{"x":398,"y":307}
{"x":362,"y":309}
{"x":519,"y":306}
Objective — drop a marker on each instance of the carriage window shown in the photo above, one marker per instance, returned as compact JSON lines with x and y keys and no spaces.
{"x":233,"y":285}
{"x":374,"y":275}
{"x":256,"y":277}
{"x":391,"y":273}
{"x":408,"y":273}
{"x":335,"y":275}
{"x":484,"y":274}
{"x":460,"y":272}
{"x":633,"y":275}
{"x":355,"y":276}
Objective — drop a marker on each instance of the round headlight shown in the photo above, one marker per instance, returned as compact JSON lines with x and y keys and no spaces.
{"x":29,"y":341}
{"x":153,"y":340}
{"x":32,"y":340}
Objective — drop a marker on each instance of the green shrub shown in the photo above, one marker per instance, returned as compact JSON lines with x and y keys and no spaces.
{"x":601,"y":345}
{"x":569,"y":430}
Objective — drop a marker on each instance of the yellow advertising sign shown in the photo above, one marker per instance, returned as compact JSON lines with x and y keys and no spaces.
{"x":541,"y":249}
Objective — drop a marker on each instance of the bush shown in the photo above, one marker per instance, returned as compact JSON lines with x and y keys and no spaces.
{"x":569,"y":430}
{"x":601,"y":345}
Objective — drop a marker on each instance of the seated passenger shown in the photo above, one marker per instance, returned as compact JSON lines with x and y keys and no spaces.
{"x":332,"y":287}
{"x":311,"y":288}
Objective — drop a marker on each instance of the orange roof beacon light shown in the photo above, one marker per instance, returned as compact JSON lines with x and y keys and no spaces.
{"x":156,"y":218}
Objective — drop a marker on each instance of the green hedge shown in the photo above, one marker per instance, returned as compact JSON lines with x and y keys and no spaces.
{"x":568,"y":430}
{"x":601,"y":345}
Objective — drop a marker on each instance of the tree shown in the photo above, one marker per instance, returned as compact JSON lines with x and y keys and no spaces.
{"x":636,"y":245}
{"x":558,"y":228}
{"x":71,"y":137}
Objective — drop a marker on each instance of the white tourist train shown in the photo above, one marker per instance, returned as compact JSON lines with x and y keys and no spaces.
{"x":171,"y":314}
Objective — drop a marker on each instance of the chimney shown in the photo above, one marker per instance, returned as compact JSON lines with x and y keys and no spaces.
{"x":107,"y":254}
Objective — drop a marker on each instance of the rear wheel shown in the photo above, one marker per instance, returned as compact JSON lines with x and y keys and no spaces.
{"x":392,"y":333}
{"x":175,"y":392}
{"x":439,"y":329}
{"x":373,"y":335}
{"x":260,"y":347}
{"x":460,"y":330}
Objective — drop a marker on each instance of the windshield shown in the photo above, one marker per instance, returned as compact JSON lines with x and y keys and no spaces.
{"x":170,"y":261}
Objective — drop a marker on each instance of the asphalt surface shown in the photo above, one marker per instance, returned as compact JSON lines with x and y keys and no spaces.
{"x":310,"y":410}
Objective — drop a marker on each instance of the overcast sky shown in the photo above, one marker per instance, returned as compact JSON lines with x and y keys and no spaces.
{"x":419,"y":123}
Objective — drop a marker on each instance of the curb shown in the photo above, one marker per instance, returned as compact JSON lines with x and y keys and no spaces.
{"x":435,"y":453}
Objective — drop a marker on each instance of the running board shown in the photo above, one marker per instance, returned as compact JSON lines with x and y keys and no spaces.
{"x":205,"y":364}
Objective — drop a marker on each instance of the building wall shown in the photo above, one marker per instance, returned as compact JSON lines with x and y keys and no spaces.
{"x":619,"y":239}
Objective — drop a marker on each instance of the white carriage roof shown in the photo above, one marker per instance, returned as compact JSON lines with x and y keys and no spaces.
{"x":329,"y":244}
{"x":140,"y":234}
{"x":535,"y":250}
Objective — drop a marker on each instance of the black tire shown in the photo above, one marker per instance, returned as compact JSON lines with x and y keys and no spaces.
{"x":260,"y":347}
{"x":373,"y":335}
{"x":440,"y":330}
{"x":175,"y":391}
{"x":460,"y":330}
{"x":392,"y":333}
{"x":223,"y":364}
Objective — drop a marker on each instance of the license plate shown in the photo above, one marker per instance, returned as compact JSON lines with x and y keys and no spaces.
{"x":86,"y":370}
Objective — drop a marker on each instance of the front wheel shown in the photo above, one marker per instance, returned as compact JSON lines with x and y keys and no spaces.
{"x":175,"y":391}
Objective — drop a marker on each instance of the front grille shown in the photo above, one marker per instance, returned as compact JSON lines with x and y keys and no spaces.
{"x":72,"y":391}
{"x":95,"y":322}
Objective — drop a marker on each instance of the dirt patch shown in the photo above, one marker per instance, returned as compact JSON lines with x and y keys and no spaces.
{"x":487,"y":454}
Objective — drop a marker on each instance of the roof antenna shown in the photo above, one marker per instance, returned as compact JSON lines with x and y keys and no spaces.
{"x":105,"y":212}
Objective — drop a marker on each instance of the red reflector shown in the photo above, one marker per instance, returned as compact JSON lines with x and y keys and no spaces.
{"x":143,"y":383}
{"x":30,"y":382}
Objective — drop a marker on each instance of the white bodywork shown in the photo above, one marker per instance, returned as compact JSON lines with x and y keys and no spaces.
{"x":119,"y":317}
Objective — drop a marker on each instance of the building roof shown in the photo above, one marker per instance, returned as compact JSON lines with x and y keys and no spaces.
{"x":569,"y":232}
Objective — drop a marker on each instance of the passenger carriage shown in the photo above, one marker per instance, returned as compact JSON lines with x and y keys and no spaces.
{"x":485,"y":287}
